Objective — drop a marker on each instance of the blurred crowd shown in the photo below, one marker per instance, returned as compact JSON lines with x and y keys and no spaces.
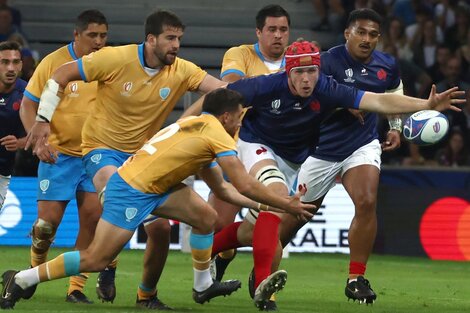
{"x":429,"y":38}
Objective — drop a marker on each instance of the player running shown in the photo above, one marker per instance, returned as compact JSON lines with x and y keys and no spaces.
{"x":150,"y":182}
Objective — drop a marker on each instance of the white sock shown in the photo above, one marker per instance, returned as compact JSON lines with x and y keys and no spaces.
{"x":27,"y":278}
{"x":202,"y":279}
{"x":351,"y":280}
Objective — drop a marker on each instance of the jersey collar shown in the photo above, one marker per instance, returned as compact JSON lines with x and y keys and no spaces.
{"x":260,"y":55}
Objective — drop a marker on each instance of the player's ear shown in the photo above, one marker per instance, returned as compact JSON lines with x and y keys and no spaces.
{"x":347,"y":32}
{"x":152,"y":40}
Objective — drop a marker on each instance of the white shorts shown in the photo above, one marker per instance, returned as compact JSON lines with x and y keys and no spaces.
{"x":4,"y":183}
{"x":319,"y":176}
{"x":251,"y":153}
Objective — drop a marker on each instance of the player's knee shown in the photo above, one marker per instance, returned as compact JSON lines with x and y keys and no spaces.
{"x":366,"y":204}
{"x":270,"y":174}
{"x":208,"y":220}
{"x":42,"y":235}
{"x":159,"y":227}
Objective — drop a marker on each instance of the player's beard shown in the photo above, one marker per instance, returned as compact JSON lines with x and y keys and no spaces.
{"x":168,"y":59}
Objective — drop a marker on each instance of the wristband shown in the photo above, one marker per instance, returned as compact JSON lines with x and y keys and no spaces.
{"x":263,"y":207}
{"x":395,"y":124}
{"x":49,"y":101}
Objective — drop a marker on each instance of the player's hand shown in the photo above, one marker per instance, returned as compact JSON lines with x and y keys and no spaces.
{"x":393,"y":141}
{"x":302,"y":211}
{"x":446,"y":100}
{"x":358,"y":114}
{"x":45,"y":152}
{"x":39,"y":132}
{"x":10,"y":142}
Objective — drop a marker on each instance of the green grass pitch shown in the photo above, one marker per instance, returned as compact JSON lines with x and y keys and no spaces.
{"x":315,"y":284}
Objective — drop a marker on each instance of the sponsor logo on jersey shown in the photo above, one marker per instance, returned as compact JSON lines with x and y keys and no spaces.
{"x":44,"y":185}
{"x":382,"y":75}
{"x":2,"y":101}
{"x":297,"y":106}
{"x":130,"y":213}
{"x":96,"y":158}
{"x":364,"y":72}
{"x":349,"y":74}
{"x":126,"y":88}
{"x":275,"y":105}
{"x":164,"y":93}
{"x":73,"y":87}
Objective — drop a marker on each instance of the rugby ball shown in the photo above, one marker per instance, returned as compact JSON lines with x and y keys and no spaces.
{"x":425,"y":127}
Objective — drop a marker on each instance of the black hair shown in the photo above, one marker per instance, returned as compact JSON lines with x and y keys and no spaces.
{"x":222,"y":100}
{"x":89,"y":17}
{"x":155,"y":22}
{"x":9,"y":45}
{"x":364,"y":14}
{"x":272,"y":10}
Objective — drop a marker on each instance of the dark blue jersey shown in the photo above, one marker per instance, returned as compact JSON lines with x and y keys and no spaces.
{"x":286,"y":123}
{"x":341,"y":134}
{"x":10,"y":123}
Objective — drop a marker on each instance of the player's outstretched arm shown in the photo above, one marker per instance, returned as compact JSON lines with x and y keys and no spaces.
{"x":253,"y":189}
{"x":390,"y":103}
{"x":225,"y":191}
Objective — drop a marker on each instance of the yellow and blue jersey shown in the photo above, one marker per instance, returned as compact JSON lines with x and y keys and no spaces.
{"x":246,"y":61}
{"x":176,"y":152}
{"x":76,"y":103}
{"x":135,"y":101}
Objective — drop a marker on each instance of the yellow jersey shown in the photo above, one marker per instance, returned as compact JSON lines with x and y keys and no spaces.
{"x":76,"y":103}
{"x":131,"y":104}
{"x":247,"y":61}
{"x":176,"y":152}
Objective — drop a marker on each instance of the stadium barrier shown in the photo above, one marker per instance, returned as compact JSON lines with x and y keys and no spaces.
{"x":420,"y":213}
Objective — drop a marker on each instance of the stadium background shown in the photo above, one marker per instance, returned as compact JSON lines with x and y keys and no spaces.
{"x":422,"y":211}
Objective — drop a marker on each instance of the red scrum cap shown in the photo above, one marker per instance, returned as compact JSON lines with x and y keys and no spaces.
{"x":302,"y":53}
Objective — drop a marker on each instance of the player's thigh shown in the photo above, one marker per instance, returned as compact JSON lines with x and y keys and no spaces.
{"x":127,"y":207}
{"x":185,"y":205}
{"x":361,"y":173}
{"x":316,"y":178}
{"x":226,"y":212}
{"x":89,"y":207}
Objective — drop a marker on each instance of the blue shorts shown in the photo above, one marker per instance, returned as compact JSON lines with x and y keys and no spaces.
{"x":126,"y":207}
{"x":62,"y":180}
{"x":96,"y":159}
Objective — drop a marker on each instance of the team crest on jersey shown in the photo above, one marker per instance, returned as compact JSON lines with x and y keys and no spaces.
{"x":164,"y":93}
{"x":16,"y":105}
{"x":44,"y":185}
{"x":315,"y":106}
{"x":126,"y":88}
{"x":275,"y":105}
{"x":130,"y":214}
{"x":349,"y":74}
{"x":73,"y":87}
{"x":96,"y":158}
{"x":382,"y":75}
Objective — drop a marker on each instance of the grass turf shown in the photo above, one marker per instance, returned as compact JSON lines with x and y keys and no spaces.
{"x":315,"y":284}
